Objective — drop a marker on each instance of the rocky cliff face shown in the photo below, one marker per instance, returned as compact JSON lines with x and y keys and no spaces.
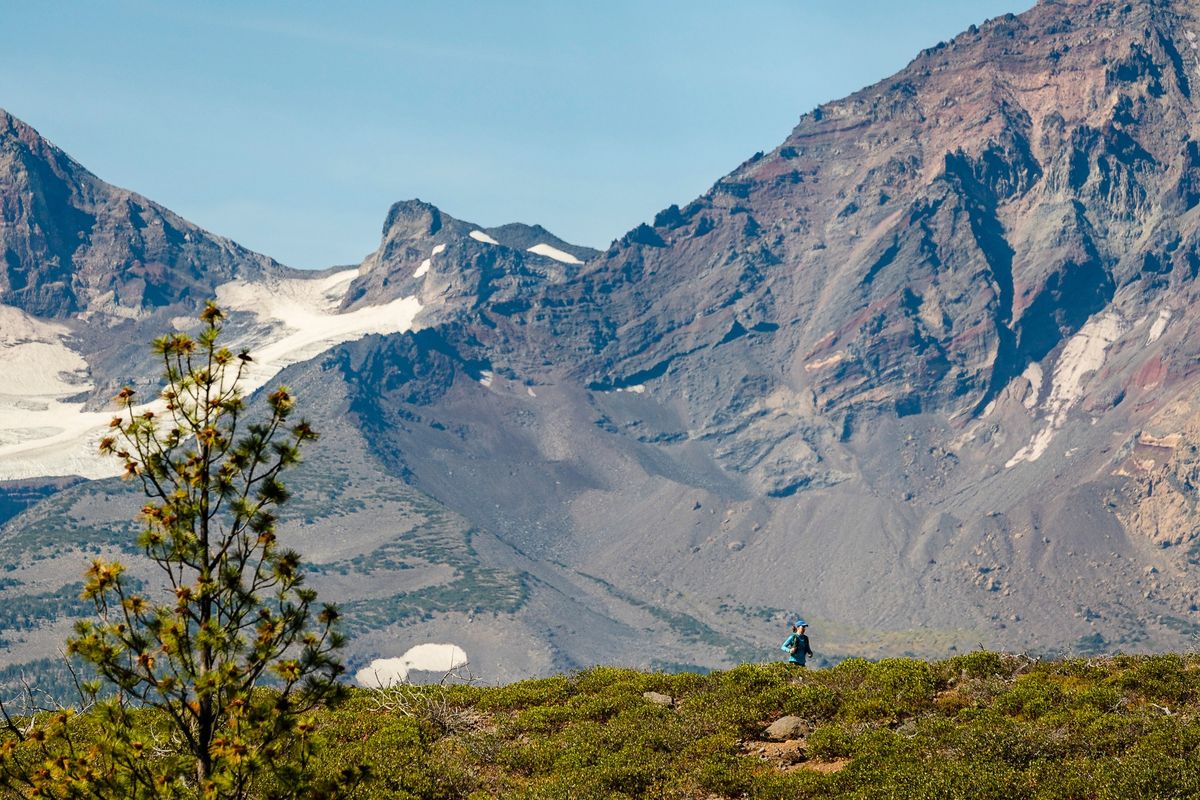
{"x":909,"y":357}
{"x":457,"y":268}
{"x":73,"y":244}
{"x":919,"y":244}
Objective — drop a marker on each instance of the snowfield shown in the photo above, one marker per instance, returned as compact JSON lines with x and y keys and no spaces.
{"x":44,"y":432}
{"x":302,"y":319}
{"x":39,"y":422}
{"x":1160,"y":325}
{"x":480,"y":236}
{"x":1082,"y":355}
{"x":384,"y":672}
{"x":553,"y":252}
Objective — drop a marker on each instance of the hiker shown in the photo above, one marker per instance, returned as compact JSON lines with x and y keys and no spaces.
{"x":796,"y":645}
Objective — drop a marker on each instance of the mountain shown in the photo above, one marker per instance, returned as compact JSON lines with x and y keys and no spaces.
{"x":66,"y":347}
{"x":925,"y":372}
{"x":926,"y":367}
{"x":73,"y":244}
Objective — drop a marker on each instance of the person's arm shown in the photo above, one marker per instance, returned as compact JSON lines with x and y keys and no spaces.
{"x":807,"y":648}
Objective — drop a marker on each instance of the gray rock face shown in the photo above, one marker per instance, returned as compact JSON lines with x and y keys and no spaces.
{"x":903,"y":359}
{"x":457,"y":268}
{"x":72,"y":243}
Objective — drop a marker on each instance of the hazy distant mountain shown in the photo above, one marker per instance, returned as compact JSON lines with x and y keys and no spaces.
{"x":926,"y":373}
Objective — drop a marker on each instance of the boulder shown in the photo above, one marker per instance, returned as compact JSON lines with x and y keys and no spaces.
{"x":659,"y":699}
{"x":789,"y":727}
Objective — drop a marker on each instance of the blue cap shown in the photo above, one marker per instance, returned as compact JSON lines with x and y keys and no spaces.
{"x":799,"y":624}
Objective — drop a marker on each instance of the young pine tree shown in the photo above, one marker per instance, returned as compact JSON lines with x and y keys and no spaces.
{"x":213,"y":686}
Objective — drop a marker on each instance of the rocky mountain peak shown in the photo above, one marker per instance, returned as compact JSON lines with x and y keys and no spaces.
{"x":412,"y":219}
{"x":15,"y":132}
{"x":71,"y":243}
{"x":936,"y":232}
{"x":456,"y":266}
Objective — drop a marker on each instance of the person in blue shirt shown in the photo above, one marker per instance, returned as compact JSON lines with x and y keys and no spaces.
{"x":796,"y":645}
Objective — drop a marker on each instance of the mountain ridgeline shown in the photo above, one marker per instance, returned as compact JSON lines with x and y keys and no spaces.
{"x":926,"y":372}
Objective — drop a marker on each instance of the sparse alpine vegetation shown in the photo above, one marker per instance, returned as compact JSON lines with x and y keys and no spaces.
{"x":982,"y":725}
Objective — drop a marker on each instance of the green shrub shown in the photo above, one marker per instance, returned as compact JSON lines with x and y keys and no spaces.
{"x":1031,"y":696}
{"x":539,"y":719}
{"x":1096,"y":728}
{"x":976,"y":664}
{"x":527,"y":693}
{"x":890,"y":689}
{"x":831,"y":742}
{"x":601,"y":706}
{"x":1160,"y":678}
{"x":726,"y":775}
{"x":813,"y":702}
{"x":603,"y":679}
{"x":1100,"y":698}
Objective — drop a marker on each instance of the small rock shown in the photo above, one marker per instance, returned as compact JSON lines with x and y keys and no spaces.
{"x":734,"y":546}
{"x":659,"y":699}
{"x":789,"y":727}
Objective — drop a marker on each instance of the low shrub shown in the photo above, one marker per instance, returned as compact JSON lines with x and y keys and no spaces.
{"x":981,"y":725}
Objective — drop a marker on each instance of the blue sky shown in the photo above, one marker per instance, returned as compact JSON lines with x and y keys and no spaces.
{"x":292,"y":126}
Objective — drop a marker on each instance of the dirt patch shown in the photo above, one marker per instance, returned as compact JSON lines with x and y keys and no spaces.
{"x":826,"y":767}
{"x":779,"y":754}
{"x":792,"y":755}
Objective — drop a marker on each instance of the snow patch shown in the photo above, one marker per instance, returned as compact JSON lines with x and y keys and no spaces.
{"x":427,"y":263}
{"x":532,"y":393}
{"x":639,"y":388}
{"x":1160,"y":325}
{"x":384,"y":672}
{"x":1081,"y":356}
{"x":1033,"y":374}
{"x":305,"y":319}
{"x":44,"y":433}
{"x":41,"y":372}
{"x":1034,"y":450}
{"x":553,"y":252}
{"x":485,"y":378}
{"x":480,"y":236}
{"x":829,"y":361}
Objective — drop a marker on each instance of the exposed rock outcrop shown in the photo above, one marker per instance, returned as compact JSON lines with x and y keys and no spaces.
{"x":73,"y":244}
